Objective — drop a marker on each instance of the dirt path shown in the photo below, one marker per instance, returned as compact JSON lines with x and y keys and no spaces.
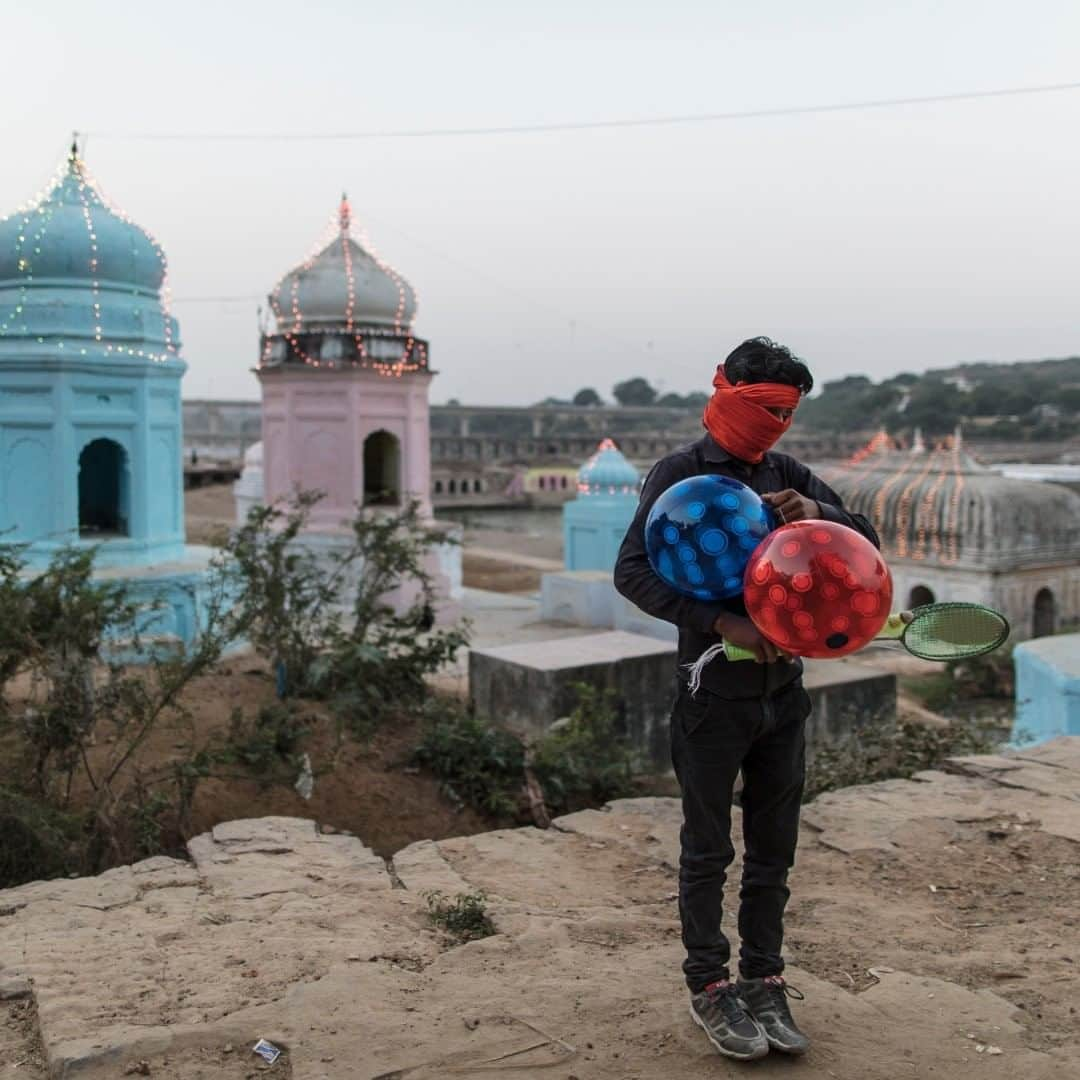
{"x":21,"y":1056}
{"x":932,"y":931}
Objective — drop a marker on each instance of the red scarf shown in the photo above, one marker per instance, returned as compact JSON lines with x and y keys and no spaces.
{"x":738,"y":417}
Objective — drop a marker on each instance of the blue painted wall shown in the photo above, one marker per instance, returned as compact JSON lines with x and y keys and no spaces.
{"x":595,"y":523}
{"x":1047,"y":688}
{"x":87,"y":353}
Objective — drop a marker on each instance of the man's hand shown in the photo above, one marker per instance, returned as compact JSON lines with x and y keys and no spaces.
{"x":742,"y":632}
{"x":791,"y":506}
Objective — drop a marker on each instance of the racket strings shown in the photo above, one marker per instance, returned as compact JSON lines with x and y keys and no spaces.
{"x":948,"y":633}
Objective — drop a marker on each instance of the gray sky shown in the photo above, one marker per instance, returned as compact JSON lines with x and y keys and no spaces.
{"x":871,"y":242}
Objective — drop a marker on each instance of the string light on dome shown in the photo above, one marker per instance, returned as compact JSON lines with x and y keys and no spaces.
{"x":413,"y":353}
{"x":879,"y":518}
{"x":72,"y":185}
{"x":927,"y":530}
{"x":880,"y":442}
{"x":903,"y":510}
{"x":952,"y":527}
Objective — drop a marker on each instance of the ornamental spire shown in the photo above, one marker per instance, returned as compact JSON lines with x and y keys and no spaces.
{"x":345,"y":213}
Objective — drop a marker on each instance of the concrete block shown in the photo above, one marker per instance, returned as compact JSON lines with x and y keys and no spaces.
{"x":528,"y":687}
{"x":848,"y":695}
{"x":630,"y":618}
{"x":581,"y":597}
{"x":1047,"y":689}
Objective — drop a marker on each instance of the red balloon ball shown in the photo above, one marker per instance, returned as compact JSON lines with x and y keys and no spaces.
{"x":818,"y":589}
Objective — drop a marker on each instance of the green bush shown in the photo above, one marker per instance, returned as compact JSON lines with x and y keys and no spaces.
{"x":479,"y":765}
{"x":39,"y":841}
{"x":329,"y":624}
{"x":270,"y":746}
{"x":585,"y":758}
{"x":897,"y":751}
{"x":76,"y":795}
{"x":463,"y":917}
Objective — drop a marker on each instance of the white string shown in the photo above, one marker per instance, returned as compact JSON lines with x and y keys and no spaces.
{"x":695,"y":669}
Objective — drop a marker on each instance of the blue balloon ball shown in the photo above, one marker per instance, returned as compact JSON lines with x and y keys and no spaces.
{"x":700,"y":533}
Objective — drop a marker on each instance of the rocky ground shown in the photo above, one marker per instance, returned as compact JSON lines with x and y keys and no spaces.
{"x":933,"y":932}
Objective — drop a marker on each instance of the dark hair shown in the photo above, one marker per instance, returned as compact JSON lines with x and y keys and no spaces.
{"x":761,"y":360}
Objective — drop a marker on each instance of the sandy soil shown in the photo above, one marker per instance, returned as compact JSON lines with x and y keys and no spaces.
{"x":21,"y":1056}
{"x":209,"y":513}
{"x":368,"y":790}
{"x":480,"y":572}
{"x":932,"y":930}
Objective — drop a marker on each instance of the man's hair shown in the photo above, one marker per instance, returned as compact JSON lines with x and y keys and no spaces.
{"x":761,"y":360}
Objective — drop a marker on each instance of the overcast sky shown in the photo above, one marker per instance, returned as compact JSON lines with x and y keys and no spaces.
{"x":871,"y":242}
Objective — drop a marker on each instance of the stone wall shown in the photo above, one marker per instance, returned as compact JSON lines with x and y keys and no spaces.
{"x":528,"y":687}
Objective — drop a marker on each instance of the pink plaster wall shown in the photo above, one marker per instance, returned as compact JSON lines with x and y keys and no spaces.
{"x":314,"y":426}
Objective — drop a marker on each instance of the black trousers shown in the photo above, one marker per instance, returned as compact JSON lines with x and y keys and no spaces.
{"x":712,"y":739}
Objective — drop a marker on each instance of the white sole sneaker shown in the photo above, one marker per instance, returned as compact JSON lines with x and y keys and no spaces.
{"x":750,"y":1055}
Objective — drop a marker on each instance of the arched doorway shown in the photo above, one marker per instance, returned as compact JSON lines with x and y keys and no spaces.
{"x":104,"y":498}
{"x":920,"y":595}
{"x":1044,"y":619}
{"x":382,"y":469}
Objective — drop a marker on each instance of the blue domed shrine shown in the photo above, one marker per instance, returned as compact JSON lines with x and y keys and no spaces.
{"x":595,"y":523}
{"x":90,"y":419}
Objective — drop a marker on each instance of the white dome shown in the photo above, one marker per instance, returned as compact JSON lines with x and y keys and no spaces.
{"x":344,"y":286}
{"x":253,"y":456}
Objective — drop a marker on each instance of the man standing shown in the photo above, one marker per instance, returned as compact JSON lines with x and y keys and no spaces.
{"x":747,"y":717}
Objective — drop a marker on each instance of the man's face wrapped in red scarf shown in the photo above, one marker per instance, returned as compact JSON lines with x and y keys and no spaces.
{"x":741,"y":418}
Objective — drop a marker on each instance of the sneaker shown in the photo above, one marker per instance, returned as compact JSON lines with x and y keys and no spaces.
{"x":766,"y":1001}
{"x":718,"y":1011}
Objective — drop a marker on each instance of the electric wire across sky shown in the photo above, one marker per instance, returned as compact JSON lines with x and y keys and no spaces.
{"x":585,"y":125}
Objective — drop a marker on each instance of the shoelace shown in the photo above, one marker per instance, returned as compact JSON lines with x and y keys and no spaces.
{"x":780,"y":991}
{"x":723,"y":995}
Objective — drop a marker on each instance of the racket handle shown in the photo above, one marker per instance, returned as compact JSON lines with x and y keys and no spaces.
{"x":737,"y":652}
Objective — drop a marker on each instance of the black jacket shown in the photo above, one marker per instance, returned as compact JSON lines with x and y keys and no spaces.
{"x":637,"y":581}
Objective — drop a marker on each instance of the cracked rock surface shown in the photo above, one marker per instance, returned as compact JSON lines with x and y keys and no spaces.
{"x":933,"y":929}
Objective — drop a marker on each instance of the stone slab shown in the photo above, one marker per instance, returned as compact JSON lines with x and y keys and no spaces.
{"x":344,"y":971}
{"x":848,"y":696}
{"x":528,"y":687}
{"x":628,"y":617}
{"x":580,"y":597}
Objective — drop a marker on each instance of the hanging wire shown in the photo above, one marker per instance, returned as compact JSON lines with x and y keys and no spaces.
{"x":586,"y":125}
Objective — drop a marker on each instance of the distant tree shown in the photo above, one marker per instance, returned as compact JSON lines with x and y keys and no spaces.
{"x":694,"y":400}
{"x":635,"y":391}
{"x":588,"y":396}
{"x":1069,"y":398}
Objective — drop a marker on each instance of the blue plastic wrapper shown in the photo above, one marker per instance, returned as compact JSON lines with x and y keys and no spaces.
{"x":267,"y":1051}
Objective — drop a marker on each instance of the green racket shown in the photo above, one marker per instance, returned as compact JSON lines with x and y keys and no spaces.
{"x":948,"y":631}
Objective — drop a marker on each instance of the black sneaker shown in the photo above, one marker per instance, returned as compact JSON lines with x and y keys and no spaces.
{"x":766,"y":1001}
{"x":718,"y":1011}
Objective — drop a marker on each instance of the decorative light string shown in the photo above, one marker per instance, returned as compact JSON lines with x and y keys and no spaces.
{"x":883,"y":494}
{"x":952,"y":529}
{"x":584,"y":487}
{"x":928,"y":517}
{"x":413,"y":356}
{"x":903,"y":510}
{"x":73,"y":172}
